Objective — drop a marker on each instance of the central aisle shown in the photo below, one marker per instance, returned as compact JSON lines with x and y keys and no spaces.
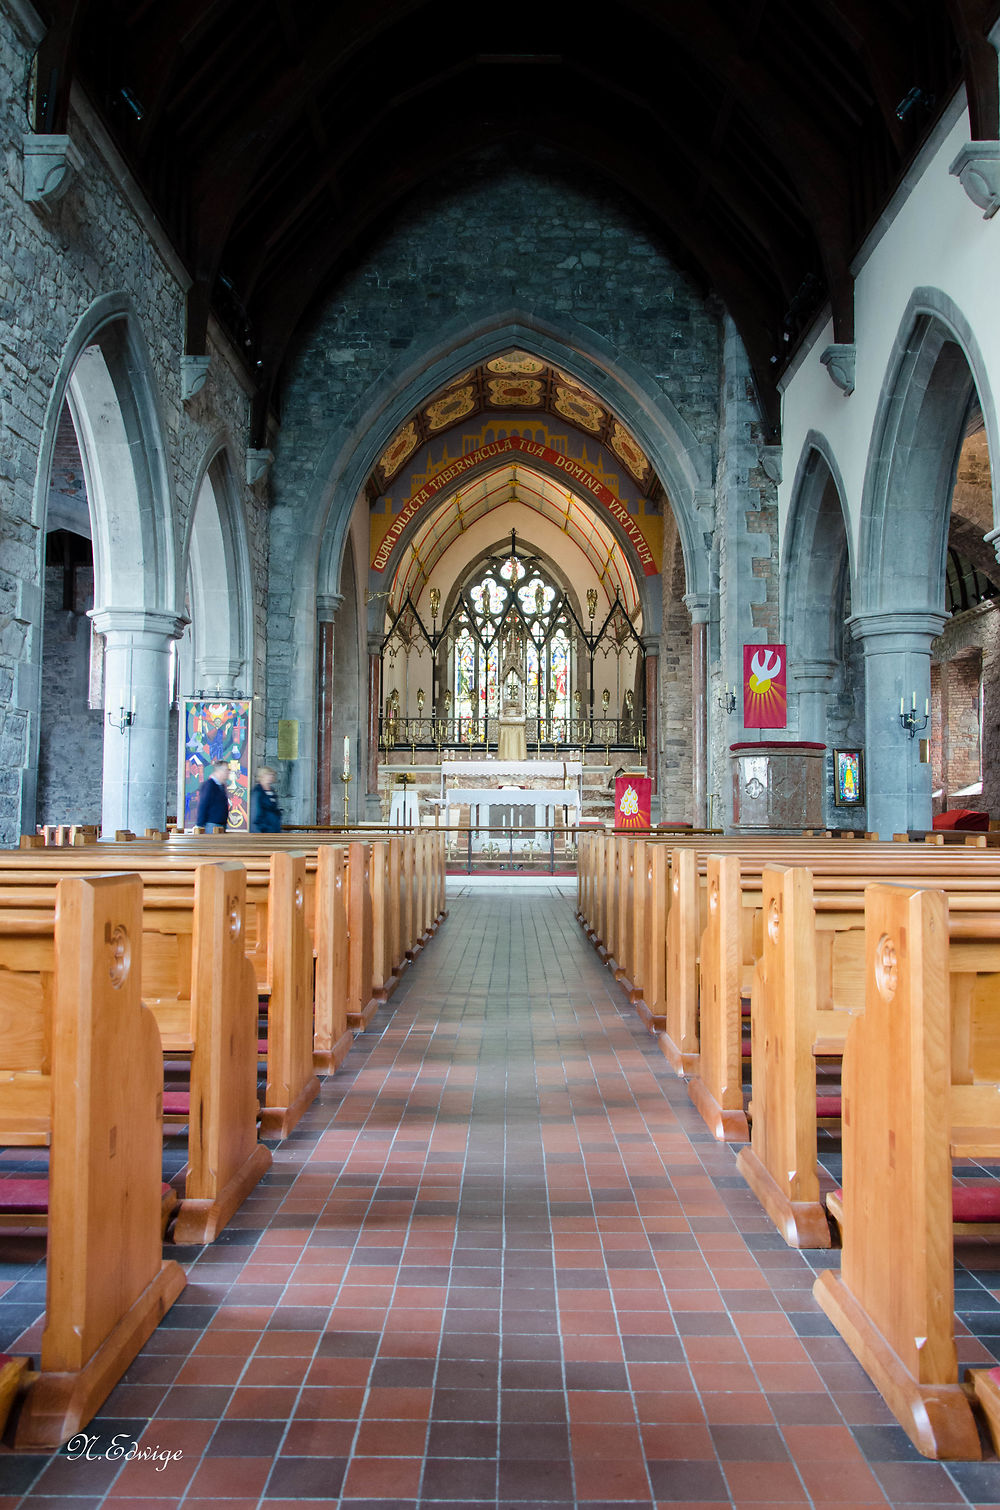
{"x":501,"y":1262}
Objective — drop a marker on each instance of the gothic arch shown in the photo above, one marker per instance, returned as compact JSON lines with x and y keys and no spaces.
{"x":817,"y":539}
{"x":934,"y":369}
{"x":319,"y":523}
{"x":106,"y":378}
{"x":216,"y":570}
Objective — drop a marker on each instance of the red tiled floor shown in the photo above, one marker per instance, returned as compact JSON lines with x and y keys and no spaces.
{"x":501,"y":1263}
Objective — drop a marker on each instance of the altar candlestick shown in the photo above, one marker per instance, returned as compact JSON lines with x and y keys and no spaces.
{"x":347,"y":755}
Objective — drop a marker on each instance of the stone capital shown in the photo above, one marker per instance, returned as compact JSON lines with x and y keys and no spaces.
{"x":143,"y":625}
{"x":891,"y":631}
{"x":839,"y":361}
{"x":697,"y":605}
{"x":327,"y":604}
{"x":49,"y":165}
{"x":977,"y":168}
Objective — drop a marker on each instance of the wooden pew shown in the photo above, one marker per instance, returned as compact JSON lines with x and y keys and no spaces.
{"x":198,"y":984}
{"x":904,"y":1121}
{"x":83,"y":1067}
{"x":225,"y":1160}
{"x":332,"y":1037}
{"x":798,"y":1008}
{"x":291,"y":1084}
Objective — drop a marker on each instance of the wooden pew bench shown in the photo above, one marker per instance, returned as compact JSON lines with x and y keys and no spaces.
{"x":200,"y":987}
{"x":909,"y":1110}
{"x":82,"y":1071}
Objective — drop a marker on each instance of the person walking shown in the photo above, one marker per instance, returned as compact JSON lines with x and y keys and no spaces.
{"x":265,"y":814}
{"x":213,"y":800}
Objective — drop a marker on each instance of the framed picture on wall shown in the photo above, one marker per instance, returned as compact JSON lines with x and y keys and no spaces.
{"x":848,"y":778}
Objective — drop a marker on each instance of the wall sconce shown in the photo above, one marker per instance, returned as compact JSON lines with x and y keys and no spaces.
{"x":910,"y":719}
{"x":727,"y":700}
{"x":123,"y":719}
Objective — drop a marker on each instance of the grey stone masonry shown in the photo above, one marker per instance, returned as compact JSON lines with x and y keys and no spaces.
{"x":500,"y":232}
{"x":56,"y":267}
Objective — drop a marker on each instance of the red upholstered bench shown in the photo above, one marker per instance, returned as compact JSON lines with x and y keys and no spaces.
{"x":974,"y":1207}
{"x":24,"y":1201}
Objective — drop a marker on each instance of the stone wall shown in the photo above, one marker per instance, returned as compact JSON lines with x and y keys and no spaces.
{"x":71,"y":734}
{"x":501,"y":232}
{"x":965,"y":665}
{"x":96,"y":242}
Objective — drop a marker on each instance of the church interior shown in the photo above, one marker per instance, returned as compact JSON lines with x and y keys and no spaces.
{"x":558,"y":468}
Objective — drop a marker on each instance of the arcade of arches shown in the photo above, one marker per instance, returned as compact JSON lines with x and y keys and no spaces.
{"x":529,"y":439}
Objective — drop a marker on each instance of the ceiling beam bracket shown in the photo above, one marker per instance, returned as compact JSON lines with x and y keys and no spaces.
{"x":50,"y":163}
{"x":258,"y":465}
{"x":194,"y":371}
{"x":839,"y":360}
{"x":977,"y":168}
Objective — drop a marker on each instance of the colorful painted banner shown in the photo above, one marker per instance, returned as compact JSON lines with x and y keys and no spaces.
{"x":499,"y":448}
{"x":765,"y":688}
{"x":633,"y":801}
{"x":217,"y":729}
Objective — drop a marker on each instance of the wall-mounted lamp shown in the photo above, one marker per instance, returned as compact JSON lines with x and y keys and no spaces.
{"x":123,"y":719}
{"x":910,"y":719}
{"x":727,"y":700}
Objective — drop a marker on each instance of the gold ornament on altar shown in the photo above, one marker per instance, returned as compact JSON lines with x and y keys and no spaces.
{"x":605,"y":699}
{"x":577,"y":699}
{"x":628,"y":701}
{"x":551,"y":700}
{"x":435,"y":597}
{"x":421,"y":695}
{"x":447,"y":703}
{"x":591,"y":601}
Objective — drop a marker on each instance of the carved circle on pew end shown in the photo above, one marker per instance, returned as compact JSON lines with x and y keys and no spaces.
{"x":120,"y":955}
{"x":886,"y":968}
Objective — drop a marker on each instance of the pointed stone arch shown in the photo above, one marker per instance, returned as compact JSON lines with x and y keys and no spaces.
{"x":105,"y":378}
{"x":314,"y":527}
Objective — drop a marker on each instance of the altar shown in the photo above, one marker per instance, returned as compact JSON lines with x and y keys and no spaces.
{"x":520,"y":794}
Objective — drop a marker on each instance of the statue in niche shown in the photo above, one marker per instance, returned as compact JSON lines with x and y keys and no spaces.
{"x":513,"y":742}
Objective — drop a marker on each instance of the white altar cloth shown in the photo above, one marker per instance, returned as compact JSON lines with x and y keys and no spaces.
{"x":549,"y":768}
{"x":543,"y":799}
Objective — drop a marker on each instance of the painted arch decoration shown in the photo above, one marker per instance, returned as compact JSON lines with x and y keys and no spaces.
{"x":576,"y":474}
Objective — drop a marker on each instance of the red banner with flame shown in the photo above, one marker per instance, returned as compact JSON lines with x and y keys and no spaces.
{"x":633,"y":801}
{"x":765,"y":687}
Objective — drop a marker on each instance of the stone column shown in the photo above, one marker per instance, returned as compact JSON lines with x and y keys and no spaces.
{"x":813,"y":681}
{"x":697,"y":606}
{"x":897,"y":649}
{"x":137,"y":766}
{"x":652,"y":648}
{"x":374,"y":704}
{"x":218,"y":676}
{"x":326,"y":609}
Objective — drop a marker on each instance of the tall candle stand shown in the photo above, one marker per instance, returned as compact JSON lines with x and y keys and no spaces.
{"x":345,"y":777}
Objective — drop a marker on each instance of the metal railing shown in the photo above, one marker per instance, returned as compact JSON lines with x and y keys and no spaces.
{"x":484,"y":733}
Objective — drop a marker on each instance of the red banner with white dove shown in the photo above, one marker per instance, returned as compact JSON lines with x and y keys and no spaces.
{"x":765,"y":687}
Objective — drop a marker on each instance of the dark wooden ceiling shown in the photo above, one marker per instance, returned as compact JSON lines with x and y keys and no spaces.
{"x":760,"y":138}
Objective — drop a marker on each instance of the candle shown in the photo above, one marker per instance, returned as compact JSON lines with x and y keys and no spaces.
{"x":913,"y":705}
{"x":927,"y":707}
{"x":347,"y":756}
{"x":900,"y":707}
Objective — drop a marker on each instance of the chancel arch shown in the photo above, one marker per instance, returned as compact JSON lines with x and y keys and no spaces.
{"x":342,"y":476}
